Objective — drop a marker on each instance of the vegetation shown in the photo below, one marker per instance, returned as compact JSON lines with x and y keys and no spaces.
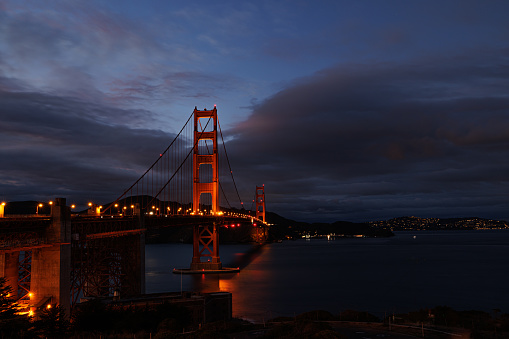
{"x":96,"y":317}
{"x":52,"y":323}
{"x":481,"y":324}
{"x":302,"y":329}
{"x":12,"y":323}
{"x":91,"y":319}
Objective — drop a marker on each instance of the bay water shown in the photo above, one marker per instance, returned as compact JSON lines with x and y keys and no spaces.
{"x":412,"y":270}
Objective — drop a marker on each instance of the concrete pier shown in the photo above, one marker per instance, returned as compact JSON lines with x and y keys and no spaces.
{"x":9,"y":269}
{"x":51,"y":266}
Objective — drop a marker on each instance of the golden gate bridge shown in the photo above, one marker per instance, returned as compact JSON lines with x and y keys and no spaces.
{"x":63,"y":257}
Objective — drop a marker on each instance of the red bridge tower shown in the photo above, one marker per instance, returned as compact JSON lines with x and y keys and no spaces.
{"x":205,"y":236}
{"x":260,"y":202}
{"x":210,"y":158}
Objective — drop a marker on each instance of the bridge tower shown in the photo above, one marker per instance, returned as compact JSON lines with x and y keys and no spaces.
{"x":205,"y":236}
{"x":209,"y":158}
{"x":260,"y":202}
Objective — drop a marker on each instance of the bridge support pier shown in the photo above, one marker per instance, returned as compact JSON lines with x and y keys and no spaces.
{"x":51,"y":272}
{"x":207,"y":238}
{"x":51,"y":266}
{"x":9,"y":269}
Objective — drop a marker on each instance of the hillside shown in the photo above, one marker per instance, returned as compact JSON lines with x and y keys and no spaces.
{"x":416,"y":223}
{"x":283,"y":228}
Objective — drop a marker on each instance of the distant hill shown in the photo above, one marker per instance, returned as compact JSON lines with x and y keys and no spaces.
{"x":283,"y":228}
{"x":416,"y":223}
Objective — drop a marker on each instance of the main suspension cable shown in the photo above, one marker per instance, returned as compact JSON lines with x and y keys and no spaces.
{"x":218,"y":180}
{"x":229,"y":166}
{"x":183,"y":162}
{"x":160,"y":156}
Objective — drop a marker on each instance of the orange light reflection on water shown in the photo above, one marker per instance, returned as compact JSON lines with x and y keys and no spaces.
{"x":249,"y":287}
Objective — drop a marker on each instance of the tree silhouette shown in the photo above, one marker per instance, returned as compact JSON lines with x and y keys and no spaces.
{"x":52,"y":323}
{"x":12,"y":323}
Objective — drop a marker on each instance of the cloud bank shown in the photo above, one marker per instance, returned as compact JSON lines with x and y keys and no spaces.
{"x":363,"y":142}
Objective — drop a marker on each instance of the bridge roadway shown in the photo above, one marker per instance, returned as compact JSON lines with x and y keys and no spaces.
{"x":28,"y":232}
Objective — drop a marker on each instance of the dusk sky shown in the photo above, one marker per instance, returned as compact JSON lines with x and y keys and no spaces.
{"x":345,"y":110}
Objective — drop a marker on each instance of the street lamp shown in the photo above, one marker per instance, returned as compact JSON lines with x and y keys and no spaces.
{"x":37,"y":209}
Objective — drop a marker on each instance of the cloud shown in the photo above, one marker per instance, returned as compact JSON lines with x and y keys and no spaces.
{"x":362,"y":142}
{"x":61,"y":146}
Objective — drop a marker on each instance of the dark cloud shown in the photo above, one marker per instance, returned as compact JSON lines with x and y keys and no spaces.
{"x":361,"y":142}
{"x":59,"y":146}
{"x":173,"y":85}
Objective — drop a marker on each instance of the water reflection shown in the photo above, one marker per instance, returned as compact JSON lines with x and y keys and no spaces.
{"x":464,"y":270}
{"x":250,"y":288}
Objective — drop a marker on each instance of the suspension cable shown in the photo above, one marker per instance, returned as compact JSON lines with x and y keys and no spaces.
{"x":175,"y":173}
{"x":218,"y":180}
{"x":228,"y":161}
{"x":160,"y":156}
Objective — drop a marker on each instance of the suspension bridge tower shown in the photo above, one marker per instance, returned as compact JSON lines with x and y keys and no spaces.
{"x":260,"y":202}
{"x":205,"y":237}
{"x":203,"y":156}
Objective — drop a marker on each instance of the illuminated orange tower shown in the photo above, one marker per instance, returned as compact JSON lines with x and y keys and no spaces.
{"x":205,"y":236}
{"x":260,"y":202}
{"x":210,"y":158}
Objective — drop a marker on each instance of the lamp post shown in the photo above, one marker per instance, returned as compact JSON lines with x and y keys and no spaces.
{"x":2,"y":209}
{"x":37,"y":209}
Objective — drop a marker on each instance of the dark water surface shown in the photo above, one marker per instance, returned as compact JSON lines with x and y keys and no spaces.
{"x":461,"y":269}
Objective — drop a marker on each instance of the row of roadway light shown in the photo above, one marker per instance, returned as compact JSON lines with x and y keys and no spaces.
{"x":155,"y":211}
{"x":159,"y":212}
{"x":92,"y":206}
{"x":38,"y":206}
